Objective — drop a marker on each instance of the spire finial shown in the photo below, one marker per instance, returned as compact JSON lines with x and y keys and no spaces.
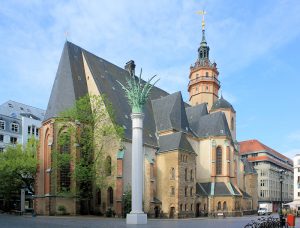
{"x":202,"y":12}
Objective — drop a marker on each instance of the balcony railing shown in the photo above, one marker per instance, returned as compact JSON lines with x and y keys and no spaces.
{"x":204,"y":78}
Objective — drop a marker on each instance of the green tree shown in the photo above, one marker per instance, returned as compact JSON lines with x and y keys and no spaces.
{"x":18,"y":166}
{"x":91,"y":127}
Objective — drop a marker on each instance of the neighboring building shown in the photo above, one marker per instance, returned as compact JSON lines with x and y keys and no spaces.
{"x":192,"y":163}
{"x":18,"y":122}
{"x":297,"y":177}
{"x":268,"y":164}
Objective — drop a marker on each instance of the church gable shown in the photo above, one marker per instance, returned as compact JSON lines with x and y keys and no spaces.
{"x":169,"y":113}
{"x":69,"y":84}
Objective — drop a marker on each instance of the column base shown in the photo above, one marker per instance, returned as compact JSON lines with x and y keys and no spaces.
{"x":136,"y":218}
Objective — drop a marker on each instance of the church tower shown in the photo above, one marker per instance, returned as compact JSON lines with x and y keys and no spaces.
{"x":204,"y":84}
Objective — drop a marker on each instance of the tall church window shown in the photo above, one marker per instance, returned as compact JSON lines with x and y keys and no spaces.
{"x":65,"y":177}
{"x":219,"y":206}
{"x":98,"y":195}
{"x":219,"y":161}
{"x":108,"y":166}
{"x":172,"y":174}
{"x":224,"y":206}
{"x":232,"y":123}
{"x":110,"y":196}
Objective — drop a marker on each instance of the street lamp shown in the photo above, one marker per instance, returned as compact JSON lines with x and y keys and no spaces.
{"x":282,"y":220}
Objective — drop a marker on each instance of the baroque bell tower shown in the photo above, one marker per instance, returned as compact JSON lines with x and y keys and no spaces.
{"x":204,"y":84}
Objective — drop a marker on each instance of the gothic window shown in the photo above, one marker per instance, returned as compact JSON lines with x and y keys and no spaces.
{"x":219,"y":206}
{"x":185,"y":174}
{"x":98,"y":196}
{"x":191,"y":191}
{"x":192,"y":178}
{"x":65,"y":179}
{"x":172,"y":190}
{"x":108,"y":166}
{"x":232,"y":124}
{"x":224,"y":206}
{"x":110,"y":196}
{"x":172,"y":174}
{"x":185,"y":191}
{"x":219,"y":161}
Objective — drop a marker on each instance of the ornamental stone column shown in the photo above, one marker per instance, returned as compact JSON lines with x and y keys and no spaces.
{"x":137,"y":94}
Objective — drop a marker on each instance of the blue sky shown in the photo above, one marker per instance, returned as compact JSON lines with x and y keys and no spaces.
{"x":255,"y":44}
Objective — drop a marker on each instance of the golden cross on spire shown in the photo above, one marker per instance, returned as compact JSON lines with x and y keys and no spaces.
{"x":202,"y":12}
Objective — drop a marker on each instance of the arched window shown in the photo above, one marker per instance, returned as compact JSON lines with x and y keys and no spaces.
{"x":185,"y":174}
{"x":224,"y":206}
{"x":232,"y":123}
{"x":110,"y":196}
{"x":219,"y":161}
{"x":172,"y":174}
{"x":219,"y":206}
{"x":108,"y":166}
{"x":98,"y":196}
{"x":65,"y":173}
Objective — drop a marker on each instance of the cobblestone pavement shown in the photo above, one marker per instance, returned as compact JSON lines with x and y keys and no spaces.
{"x":90,"y":221}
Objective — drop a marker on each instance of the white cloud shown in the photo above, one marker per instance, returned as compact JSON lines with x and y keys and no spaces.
{"x":292,"y":153}
{"x":294,"y":136}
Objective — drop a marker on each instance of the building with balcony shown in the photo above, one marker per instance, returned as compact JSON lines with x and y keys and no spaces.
{"x":268,"y":164}
{"x":18,"y":123}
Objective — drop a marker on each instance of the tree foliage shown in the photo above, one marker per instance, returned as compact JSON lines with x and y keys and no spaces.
{"x":90,"y":127}
{"x":18,"y":166}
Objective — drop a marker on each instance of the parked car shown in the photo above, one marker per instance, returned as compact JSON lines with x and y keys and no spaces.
{"x":263,"y":211}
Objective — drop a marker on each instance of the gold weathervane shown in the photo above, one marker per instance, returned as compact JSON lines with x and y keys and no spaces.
{"x":202,"y":12}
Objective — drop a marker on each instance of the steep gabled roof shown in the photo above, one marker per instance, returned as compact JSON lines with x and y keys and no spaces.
{"x":221,"y":103}
{"x":175,"y":141}
{"x":169,"y":113}
{"x":70,"y":83}
{"x":214,"y":124}
{"x":195,"y":112}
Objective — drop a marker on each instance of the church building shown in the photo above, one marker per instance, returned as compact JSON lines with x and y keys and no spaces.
{"x":192,"y":165}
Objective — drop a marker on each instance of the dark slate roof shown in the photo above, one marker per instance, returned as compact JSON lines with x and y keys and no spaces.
{"x":195,"y":112}
{"x":221,"y":103}
{"x":175,"y":141}
{"x":169,"y":113}
{"x":70,"y":84}
{"x":201,"y":191}
{"x":245,"y":194}
{"x":248,"y":166}
{"x":220,"y":189}
{"x":214,"y":124}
